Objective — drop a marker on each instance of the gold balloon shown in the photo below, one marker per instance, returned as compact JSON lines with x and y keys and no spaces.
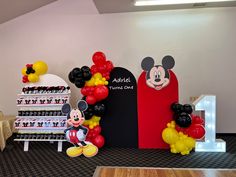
{"x":40,"y":67}
{"x":33,"y":77}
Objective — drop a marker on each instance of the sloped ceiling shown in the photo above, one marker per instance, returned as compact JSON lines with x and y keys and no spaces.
{"x":10,"y":9}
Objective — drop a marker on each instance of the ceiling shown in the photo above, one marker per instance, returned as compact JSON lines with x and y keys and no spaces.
{"x":10,"y":9}
{"x":116,"y":6}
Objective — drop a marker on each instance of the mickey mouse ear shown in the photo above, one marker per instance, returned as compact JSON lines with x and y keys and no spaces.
{"x":168,"y":62}
{"x":147,"y":63}
{"x":82,"y":105}
{"x":66,"y":108}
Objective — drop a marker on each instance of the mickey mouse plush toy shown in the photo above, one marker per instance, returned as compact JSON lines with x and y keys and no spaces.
{"x":158,"y":76}
{"x":76,"y":134}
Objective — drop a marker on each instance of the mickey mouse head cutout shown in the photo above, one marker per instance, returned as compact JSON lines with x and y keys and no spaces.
{"x":158,"y":76}
{"x":76,"y":133}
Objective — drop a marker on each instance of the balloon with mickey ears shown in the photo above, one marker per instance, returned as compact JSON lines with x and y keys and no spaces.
{"x":76,"y":133}
{"x":32,"y":72}
{"x":188,"y":123}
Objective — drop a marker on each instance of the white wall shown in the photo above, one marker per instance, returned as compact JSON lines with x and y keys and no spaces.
{"x":65,"y":34}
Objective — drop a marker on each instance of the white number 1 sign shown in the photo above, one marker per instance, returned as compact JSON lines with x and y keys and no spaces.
{"x":207,"y":103}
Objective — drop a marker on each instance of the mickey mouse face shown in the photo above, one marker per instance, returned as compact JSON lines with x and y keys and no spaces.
{"x":157,"y":76}
{"x":76,"y":118}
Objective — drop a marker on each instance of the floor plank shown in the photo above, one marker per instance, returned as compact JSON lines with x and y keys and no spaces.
{"x":161,"y":172}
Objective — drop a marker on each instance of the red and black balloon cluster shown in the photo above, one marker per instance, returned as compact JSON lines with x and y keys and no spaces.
{"x":93,"y":83}
{"x":186,"y":122}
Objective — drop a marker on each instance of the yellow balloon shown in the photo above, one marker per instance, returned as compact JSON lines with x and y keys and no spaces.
{"x":33,"y":77}
{"x":98,"y":75}
{"x":90,"y":82}
{"x":23,"y":71}
{"x":180,"y":146}
{"x":189,"y":142}
{"x":40,"y":67}
{"x":170,"y":135}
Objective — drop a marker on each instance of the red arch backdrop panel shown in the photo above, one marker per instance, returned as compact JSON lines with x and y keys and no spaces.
{"x":154,"y":111}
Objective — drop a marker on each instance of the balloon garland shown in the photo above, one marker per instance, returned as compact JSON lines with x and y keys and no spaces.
{"x":93,"y":83}
{"x":186,"y":128}
{"x":32,"y":72}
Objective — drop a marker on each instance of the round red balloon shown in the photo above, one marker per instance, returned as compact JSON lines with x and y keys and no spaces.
{"x":99,"y":141}
{"x":99,"y":58}
{"x":196,"y":131}
{"x":101,"y":92}
{"x":97,"y":130}
{"x":91,"y":100}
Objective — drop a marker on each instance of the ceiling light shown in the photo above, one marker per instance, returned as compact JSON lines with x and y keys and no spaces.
{"x":172,"y":2}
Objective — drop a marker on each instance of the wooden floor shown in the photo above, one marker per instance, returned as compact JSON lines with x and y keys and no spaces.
{"x":161,"y":172}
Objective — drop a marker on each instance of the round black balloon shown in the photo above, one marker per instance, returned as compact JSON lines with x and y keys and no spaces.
{"x":89,"y":112}
{"x":71,"y":77}
{"x":77,"y":73}
{"x":187,"y":108}
{"x":99,"y":109}
{"x":183,"y":120}
{"x":85,"y":69}
{"x":79,"y":82}
{"x":176,"y":107}
{"x":87,"y":75}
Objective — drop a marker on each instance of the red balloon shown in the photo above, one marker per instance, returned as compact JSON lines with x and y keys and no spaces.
{"x":93,"y":69}
{"x":99,"y":141}
{"x":91,"y":100}
{"x":84,"y":91}
{"x":97,"y":130}
{"x":25,"y":79}
{"x":197,"y":120}
{"x":196,"y":131}
{"x":99,"y":58}
{"x":180,"y":129}
{"x":101,"y":92}
{"x":109,"y":66}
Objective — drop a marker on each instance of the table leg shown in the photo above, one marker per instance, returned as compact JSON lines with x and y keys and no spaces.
{"x":59,"y":148}
{"x":26,"y":145}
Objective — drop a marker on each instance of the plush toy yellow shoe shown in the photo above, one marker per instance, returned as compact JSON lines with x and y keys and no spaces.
{"x":74,"y":151}
{"x":90,"y":150}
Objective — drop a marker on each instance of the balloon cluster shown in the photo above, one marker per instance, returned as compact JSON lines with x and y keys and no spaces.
{"x":179,"y":142}
{"x":32,"y":72}
{"x":181,"y":133}
{"x":78,"y":76}
{"x":188,"y":123}
{"x":101,"y":65}
{"x":93,"y":83}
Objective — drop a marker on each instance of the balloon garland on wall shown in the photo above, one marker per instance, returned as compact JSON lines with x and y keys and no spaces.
{"x":93,"y":83}
{"x":182,"y":133}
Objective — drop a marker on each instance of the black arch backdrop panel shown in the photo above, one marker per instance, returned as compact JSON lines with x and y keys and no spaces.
{"x":120,"y":123}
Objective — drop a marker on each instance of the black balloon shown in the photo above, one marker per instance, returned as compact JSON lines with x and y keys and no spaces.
{"x":99,"y":109}
{"x":89,"y":112}
{"x":183,"y":120}
{"x":188,"y":108}
{"x":87,"y":75}
{"x":77,"y":72}
{"x":71,"y":77}
{"x":176,"y":107}
{"x":79,"y":82}
{"x":85,"y":69}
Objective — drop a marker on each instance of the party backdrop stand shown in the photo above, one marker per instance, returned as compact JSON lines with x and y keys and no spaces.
{"x":39,"y":114}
